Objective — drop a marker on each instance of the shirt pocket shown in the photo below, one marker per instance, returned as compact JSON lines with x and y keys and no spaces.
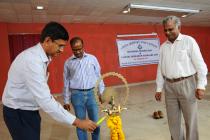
{"x":90,"y":69}
{"x":182,"y":55}
{"x":73,"y":73}
{"x":18,"y":85}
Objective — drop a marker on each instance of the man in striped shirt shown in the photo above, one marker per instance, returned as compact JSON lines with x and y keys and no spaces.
{"x":81,"y":71}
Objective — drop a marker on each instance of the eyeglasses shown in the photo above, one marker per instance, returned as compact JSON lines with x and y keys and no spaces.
{"x":61,"y":46}
{"x":168,"y":30}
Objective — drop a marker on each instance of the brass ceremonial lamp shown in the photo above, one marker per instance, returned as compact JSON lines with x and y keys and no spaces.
{"x":114,"y":122}
{"x":114,"y":110}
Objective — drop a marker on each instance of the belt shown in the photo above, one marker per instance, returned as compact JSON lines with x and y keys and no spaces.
{"x":83,"y":89}
{"x":177,"y":79}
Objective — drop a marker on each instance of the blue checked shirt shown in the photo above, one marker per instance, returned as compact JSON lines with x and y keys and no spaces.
{"x":81,"y":74}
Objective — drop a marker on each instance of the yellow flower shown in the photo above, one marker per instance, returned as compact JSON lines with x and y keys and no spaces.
{"x":115,"y":124}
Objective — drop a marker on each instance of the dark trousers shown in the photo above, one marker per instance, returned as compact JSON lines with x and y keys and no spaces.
{"x":22,"y":124}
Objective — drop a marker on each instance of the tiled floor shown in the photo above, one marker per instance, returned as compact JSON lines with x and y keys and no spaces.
{"x":138,"y":123}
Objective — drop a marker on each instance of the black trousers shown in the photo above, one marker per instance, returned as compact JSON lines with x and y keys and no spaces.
{"x":22,"y":124}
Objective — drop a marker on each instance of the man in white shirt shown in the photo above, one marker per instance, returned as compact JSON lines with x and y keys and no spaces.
{"x":182,"y":74}
{"x":27,"y":90}
{"x":81,"y":71}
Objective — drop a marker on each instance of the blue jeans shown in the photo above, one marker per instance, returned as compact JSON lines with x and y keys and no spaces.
{"x":84,"y":101}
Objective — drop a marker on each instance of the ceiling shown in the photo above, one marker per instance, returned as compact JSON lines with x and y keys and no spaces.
{"x":97,"y":11}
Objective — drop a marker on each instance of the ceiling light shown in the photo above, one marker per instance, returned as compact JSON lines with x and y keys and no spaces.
{"x":157,"y":11}
{"x":163,"y":8}
{"x":127,"y":10}
{"x":132,"y":35}
{"x":39,"y":7}
{"x":184,"y":16}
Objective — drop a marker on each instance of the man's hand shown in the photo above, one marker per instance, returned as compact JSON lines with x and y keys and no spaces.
{"x":158,"y":96}
{"x":100,"y":99}
{"x":85,"y":124}
{"x":67,"y":107}
{"x":199,"y":94}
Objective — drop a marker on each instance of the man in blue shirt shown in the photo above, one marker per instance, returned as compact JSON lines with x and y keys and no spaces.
{"x":81,"y":71}
{"x":27,"y":91}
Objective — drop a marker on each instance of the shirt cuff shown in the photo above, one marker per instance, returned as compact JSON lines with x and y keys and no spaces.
{"x":66,"y":101}
{"x":200,"y":86}
{"x":101,"y":91}
{"x":72,"y":119}
{"x":159,"y":90}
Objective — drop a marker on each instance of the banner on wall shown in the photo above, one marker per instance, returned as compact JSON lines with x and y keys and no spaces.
{"x":138,"y":52}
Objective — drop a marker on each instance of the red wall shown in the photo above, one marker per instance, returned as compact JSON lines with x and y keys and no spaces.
{"x":100,"y":40}
{"x":4,"y":55}
{"x":203,"y":39}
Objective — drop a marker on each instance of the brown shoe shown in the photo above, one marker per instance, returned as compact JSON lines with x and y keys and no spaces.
{"x":160,"y":113}
{"x":156,"y":115}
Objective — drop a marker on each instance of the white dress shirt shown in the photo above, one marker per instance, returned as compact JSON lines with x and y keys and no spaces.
{"x":181,"y":59}
{"x":81,"y":74}
{"x":27,"y":87}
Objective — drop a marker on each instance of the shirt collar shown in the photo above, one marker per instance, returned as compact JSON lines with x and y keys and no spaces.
{"x":180,"y":36}
{"x":43,"y":55}
{"x":74,"y":57}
